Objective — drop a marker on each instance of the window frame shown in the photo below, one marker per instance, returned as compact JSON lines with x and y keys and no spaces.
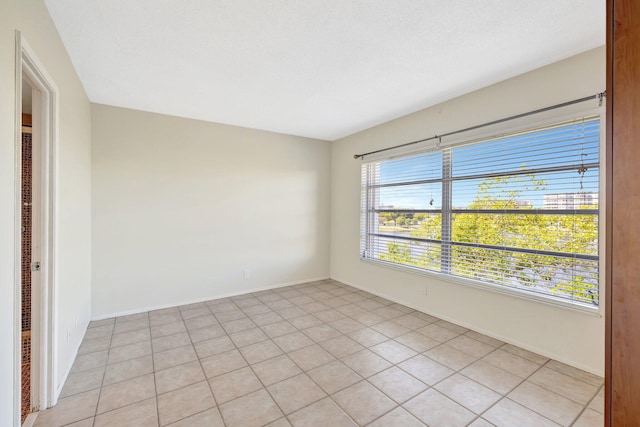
{"x":547,"y":119}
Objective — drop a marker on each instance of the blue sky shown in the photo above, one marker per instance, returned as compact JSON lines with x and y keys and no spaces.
{"x":560,"y":146}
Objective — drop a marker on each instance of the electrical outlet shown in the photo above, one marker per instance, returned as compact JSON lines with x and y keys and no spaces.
{"x":68,"y":334}
{"x":424,"y":290}
{"x":246,"y":273}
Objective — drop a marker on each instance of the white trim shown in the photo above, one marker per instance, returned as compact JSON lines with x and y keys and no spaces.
{"x":27,"y":64}
{"x":17,"y":239}
{"x":31,"y":420}
{"x":602,"y":213}
{"x":499,"y":337}
{"x":193,"y":301}
{"x":63,"y":378}
{"x":36,"y":242}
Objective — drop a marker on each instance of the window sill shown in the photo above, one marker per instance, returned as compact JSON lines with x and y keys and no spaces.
{"x":517,"y":293}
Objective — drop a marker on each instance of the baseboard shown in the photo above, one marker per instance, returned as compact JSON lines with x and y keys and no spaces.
{"x":525,"y":346}
{"x":67,"y":371}
{"x":208,"y":298}
{"x":30,"y":420}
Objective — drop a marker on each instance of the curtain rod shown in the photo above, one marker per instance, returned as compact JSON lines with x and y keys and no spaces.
{"x":599,"y":96}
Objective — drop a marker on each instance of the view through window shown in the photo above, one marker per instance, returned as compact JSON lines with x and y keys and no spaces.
{"x":519,"y":211}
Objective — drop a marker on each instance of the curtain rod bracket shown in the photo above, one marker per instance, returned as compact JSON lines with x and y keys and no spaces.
{"x":601,"y":97}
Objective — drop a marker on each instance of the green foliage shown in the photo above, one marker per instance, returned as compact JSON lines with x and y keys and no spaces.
{"x":571,"y":234}
{"x":398,"y":253}
{"x":387,"y":217}
{"x":419,"y":217}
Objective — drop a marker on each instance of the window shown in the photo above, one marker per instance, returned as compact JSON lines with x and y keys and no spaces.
{"x":518,"y":211}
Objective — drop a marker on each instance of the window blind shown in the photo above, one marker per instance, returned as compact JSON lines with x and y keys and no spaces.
{"x":518,"y":211}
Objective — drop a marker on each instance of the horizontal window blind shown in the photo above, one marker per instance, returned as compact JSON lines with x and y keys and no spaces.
{"x":519,"y":210}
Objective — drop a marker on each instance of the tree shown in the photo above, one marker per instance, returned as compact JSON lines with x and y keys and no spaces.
{"x":571,"y":234}
{"x":398,"y":253}
{"x":387,"y":217}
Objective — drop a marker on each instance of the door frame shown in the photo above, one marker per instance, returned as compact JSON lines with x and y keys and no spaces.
{"x":44,"y":298}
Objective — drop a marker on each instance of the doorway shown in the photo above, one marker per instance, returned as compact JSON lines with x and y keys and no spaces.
{"x":28,"y":261}
{"x":36,"y":137}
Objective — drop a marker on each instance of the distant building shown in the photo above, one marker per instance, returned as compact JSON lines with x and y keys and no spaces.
{"x":570,"y":200}
{"x":524,"y":203}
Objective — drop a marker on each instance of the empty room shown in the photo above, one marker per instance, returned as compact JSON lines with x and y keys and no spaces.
{"x":336,"y":213}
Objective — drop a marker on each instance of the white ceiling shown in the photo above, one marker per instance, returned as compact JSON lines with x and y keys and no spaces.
{"x":318,"y":68}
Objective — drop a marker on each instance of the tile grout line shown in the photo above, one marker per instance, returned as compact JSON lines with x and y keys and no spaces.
{"x":249,"y":365}
{"x":458,"y":371}
{"x":586,"y":406}
{"x":215,"y":402}
{"x":153,"y":365}
{"x":443,"y":379}
{"x":503,"y":396}
{"x":296,"y":328}
{"x":132,"y":378}
{"x":327,"y":395}
{"x":310,"y":290}
{"x":104,"y":374}
{"x":303,"y":372}
{"x":363,"y":379}
{"x":506,"y":395}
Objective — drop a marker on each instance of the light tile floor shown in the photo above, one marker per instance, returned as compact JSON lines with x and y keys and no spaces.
{"x":316,"y":354}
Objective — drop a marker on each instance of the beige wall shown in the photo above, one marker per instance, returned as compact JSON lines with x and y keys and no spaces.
{"x":73,"y":198}
{"x":573,"y":337}
{"x":181,"y":207}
